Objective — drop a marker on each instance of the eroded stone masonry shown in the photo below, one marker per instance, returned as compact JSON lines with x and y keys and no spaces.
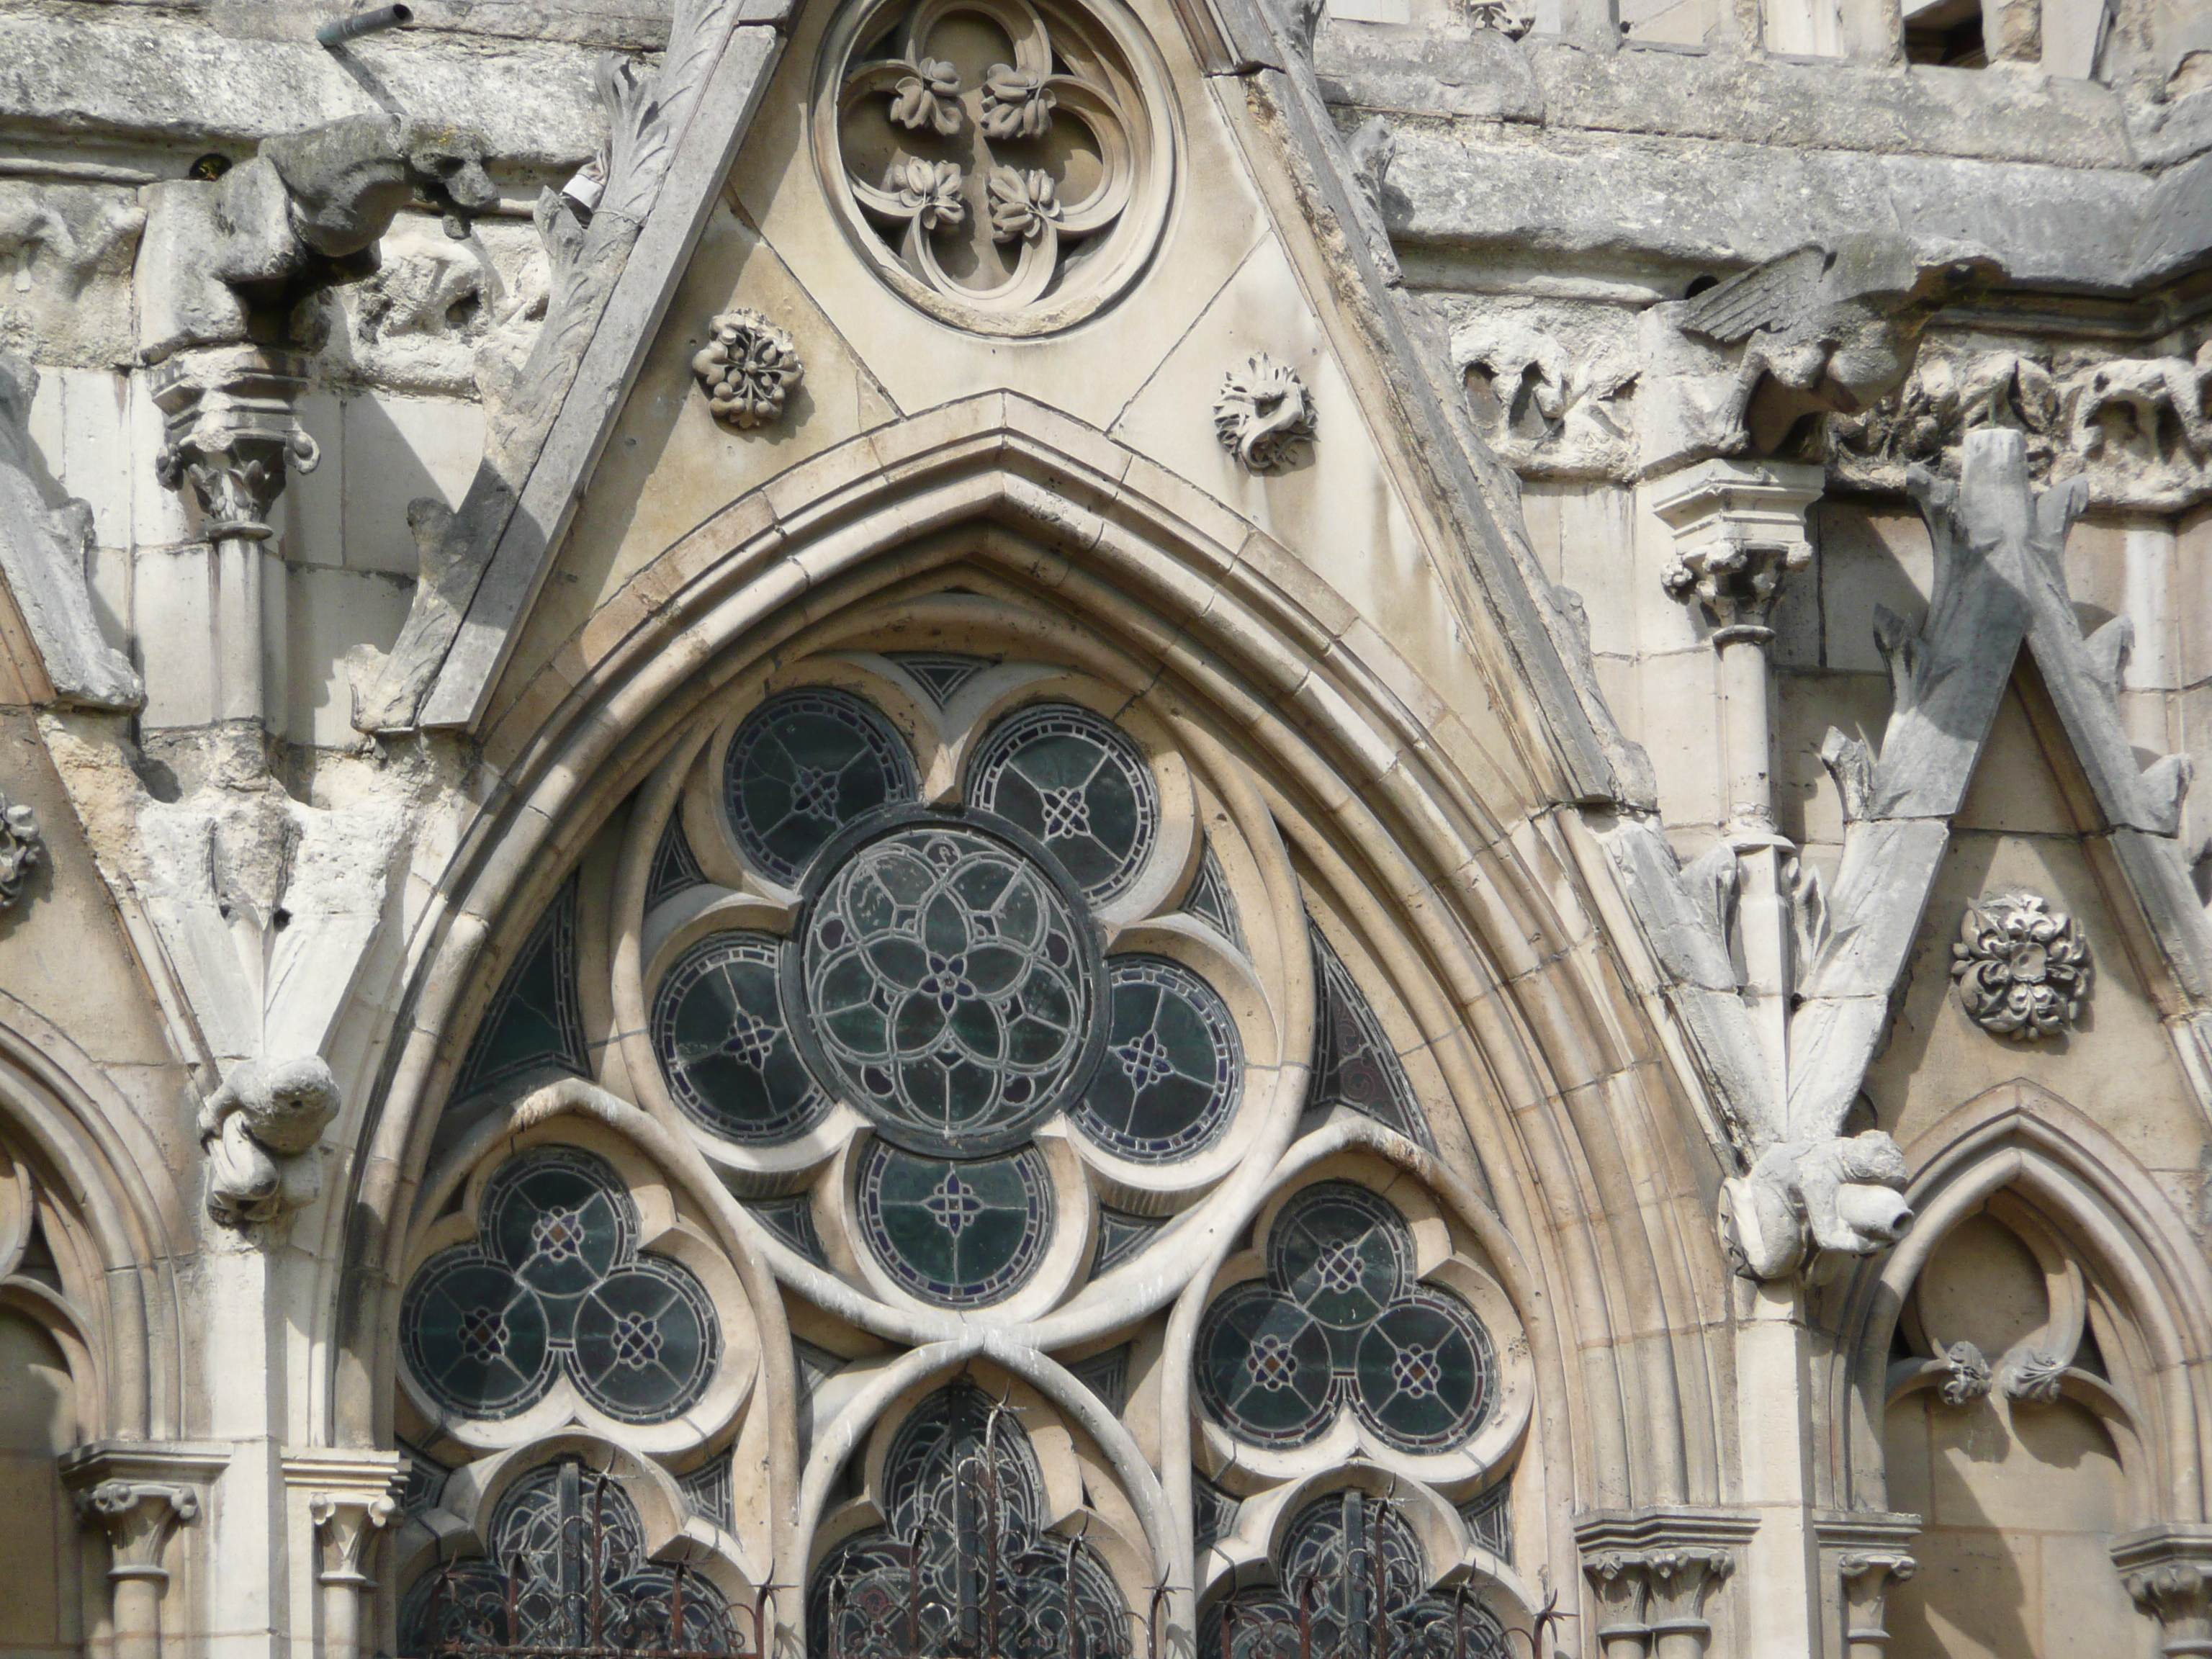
{"x":1105,"y":829}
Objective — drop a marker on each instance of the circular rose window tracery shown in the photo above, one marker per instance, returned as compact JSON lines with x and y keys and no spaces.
{"x":1006,"y":165}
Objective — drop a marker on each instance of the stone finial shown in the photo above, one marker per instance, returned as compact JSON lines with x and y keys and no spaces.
{"x":1802,"y":1201}
{"x":22,"y":847}
{"x":2022,"y":968}
{"x":1264,"y":416}
{"x":260,"y":1130}
{"x":748,"y":368}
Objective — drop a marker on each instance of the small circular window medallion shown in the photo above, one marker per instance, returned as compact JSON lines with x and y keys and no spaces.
{"x":1004,"y":166}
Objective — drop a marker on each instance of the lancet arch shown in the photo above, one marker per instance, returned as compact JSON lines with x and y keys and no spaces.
{"x":1015,"y":572}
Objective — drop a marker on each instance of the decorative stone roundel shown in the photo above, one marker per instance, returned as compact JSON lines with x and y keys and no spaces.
{"x":1339,"y":1322}
{"x":2022,"y":968}
{"x":1006,"y":165}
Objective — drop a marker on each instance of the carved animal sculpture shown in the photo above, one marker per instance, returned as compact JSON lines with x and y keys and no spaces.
{"x":227,"y":261}
{"x":1825,"y":329}
{"x":2145,"y":390}
{"x":1841,"y":1197}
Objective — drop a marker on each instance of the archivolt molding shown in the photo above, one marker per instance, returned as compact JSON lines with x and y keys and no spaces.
{"x":1391,"y":802}
{"x":2076,"y":1183}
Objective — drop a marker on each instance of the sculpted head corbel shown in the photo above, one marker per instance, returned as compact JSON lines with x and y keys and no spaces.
{"x":260,"y":1130}
{"x":1806,"y":1204}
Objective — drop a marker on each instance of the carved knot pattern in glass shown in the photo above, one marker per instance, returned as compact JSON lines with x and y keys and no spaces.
{"x":555,"y":1283}
{"x":1351,"y":1584}
{"x":1074,"y":781}
{"x":718,"y":1024}
{"x":961,"y":1567}
{"x":986,"y":150}
{"x":1339,"y":1320}
{"x":949,"y":984}
{"x":1172,"y":1067}
{"x":565,"y":1570}
{"x":805,"y":764}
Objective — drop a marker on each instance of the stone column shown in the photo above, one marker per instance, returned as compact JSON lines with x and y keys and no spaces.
{"x":1618,"y":1585}
{"x":2168,"y":1570}
{"x":1739,"y":527}
{"x":139,"y":1492}
{"x":1867,"y":1575}
{"x":231,"y":426}
{"x":138,"y":1518}
{"x":349,"y":1503}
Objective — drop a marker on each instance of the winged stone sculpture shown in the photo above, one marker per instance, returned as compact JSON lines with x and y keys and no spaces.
{"x":1828,"y":329}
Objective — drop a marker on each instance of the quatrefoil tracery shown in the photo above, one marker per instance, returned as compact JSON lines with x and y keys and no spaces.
{"x":988,"y":150}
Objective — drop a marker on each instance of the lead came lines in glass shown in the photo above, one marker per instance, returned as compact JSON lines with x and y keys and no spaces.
{"x":717,"y":1026}
{"x":955,"y":1234}
{"x":555,"y":1282}
{"x":805,"y":764}
{"x":1174,"y":1067}
{"x":1073,"y":779}
{"x":948,"y":983}
{"x":1338,"y":1322}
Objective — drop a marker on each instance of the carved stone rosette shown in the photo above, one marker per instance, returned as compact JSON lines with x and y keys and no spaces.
{"x":1264,"y":416}
{"x":748,"y":368}
{"x":2022,"y":968}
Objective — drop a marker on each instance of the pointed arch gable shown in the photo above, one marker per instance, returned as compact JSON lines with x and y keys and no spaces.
{"x":2022,"y":1137}
{"x":1444,"y":831}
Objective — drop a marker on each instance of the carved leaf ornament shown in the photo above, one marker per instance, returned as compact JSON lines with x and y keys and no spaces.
{"x":2022,"y":968}
{"x":1000,"y":162}
{"x":748,"y":368}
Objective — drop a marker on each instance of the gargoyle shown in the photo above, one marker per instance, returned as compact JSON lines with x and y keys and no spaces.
{"x":259,"y":1130}
{"x":1834,"y":1198}
{"x":226,"y":262}
{"x":1820,"y":330}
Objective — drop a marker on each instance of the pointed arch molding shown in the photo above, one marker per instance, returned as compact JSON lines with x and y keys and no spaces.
{"x":1493,"y":949}
{"x":2110,"y":1208}
{"x":104,"y":1180}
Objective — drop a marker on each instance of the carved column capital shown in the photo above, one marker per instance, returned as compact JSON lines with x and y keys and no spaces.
{"x":1867,"y":1575}
{"x":137,"y":1516}
{"x":2168,"y":1571}
{"x":1652,"y":1572}
{"x":351,"y":1505}
{"x":231,"y":426}
{"x":1739,"y":528}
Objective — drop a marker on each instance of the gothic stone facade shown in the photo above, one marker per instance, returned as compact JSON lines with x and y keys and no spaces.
{"x":1080,"y":829}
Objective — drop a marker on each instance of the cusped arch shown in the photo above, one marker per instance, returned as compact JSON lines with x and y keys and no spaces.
{"x":2081,"y":1183}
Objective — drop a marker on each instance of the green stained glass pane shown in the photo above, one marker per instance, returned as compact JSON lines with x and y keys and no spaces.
{"x":1339,"y":1320}
{"x":535,"y":1019}
{"x":1263,"y":1366}
{"x":1173,"y":1066}
{"x":802,"y":766}
{"x":717,"y":1028}
{"x":1077,"y":784}
{"x":952,"y":1232}
{"x":947,"y":983}
{"x":555,"y":1281}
